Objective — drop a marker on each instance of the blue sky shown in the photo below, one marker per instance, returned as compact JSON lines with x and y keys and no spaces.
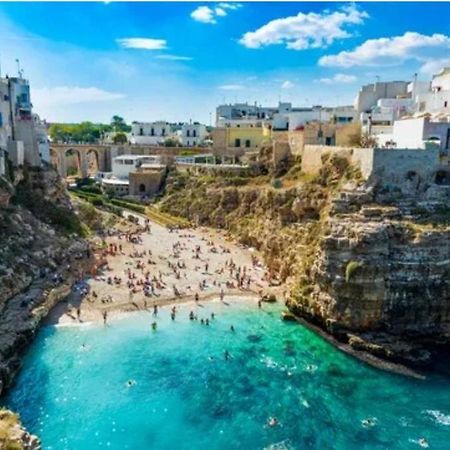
{"x":177,"y":61}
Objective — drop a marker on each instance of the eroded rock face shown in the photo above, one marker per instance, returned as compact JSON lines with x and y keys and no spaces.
{"x":381,"y":270}
{"x":16,"y":437}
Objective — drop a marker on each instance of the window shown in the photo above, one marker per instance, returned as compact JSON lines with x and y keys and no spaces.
{"x":193,"y":142}
{"x":237,"y":142}
{"x":141,"y":132}
{"x":194,"y":133}
{"x":23,"y":98}
{"x":1,"y":120}
{"x":247,"y":143}
{"x":188,"y":133}
{"x":142,"y":188}
{"x":152,"y":132}
{"x":163,"y":132}
{"x":445,"y":104}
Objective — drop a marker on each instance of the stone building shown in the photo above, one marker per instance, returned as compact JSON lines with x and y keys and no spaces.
{"x":147,"y":179}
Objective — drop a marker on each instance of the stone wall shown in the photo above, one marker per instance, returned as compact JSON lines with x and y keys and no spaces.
{"x":146,"y":182}
{"x":389,"y":166}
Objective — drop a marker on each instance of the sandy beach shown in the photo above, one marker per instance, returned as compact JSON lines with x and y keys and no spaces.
{"x":158,"y":266}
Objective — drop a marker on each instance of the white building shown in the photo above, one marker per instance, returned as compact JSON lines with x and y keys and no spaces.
{"x":19,"y":136}
{"x":151,"y":133}
{"x":193,"y":134}
{"x":419,"y":133}
{"x":369,"y":94}
{"x":435,"y":98}
{"x":124,"y":164}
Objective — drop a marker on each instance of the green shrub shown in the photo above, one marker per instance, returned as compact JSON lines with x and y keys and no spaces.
{"x":92,"y":189}
{"x":127,"y":205}
{"x":277,"y":183}
{"x":350,"y":269}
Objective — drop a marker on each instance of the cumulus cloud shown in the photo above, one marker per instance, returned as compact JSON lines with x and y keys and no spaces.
{"x":303,"y":31}
{"x":341,"y":78}
{"x":205,"y":14}
{"x":174,"y":57}
{"x":433,"y":66}
{"x":392,"y":51}
{"x":143,"y":43}
{"x":71,"y":95}
{"x":287,"y":85}
{"x":231,"y":87}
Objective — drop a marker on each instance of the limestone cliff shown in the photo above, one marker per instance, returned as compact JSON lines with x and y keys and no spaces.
{"x":42,"y":251}
{"x":368,"y":264}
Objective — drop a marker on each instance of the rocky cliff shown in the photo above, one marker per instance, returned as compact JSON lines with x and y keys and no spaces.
{"x":368,"y":264}
{"x":13,"y":436}
{"x":42,"y":252}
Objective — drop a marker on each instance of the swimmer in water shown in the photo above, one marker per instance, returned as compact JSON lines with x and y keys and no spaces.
{"x":369,"y":422}
{"x":154,"y":326}
{"x":131,"y":383}
{"x":423,"y":443}
{"x":272,"y":422}
{"x":227,"y":355}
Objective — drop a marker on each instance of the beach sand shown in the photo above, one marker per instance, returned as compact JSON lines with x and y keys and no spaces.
{"x":210,"y":268}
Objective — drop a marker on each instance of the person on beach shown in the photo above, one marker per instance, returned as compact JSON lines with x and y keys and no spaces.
{"x":79,"y":314}
{"x":155,"y":310}
{"x":105,"y":317}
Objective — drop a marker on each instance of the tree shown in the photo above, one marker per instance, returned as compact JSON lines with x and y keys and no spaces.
{"x":118,"y":124}
{"x":170,"y":142}
{"x":363,"y":140}
{"x":120,"y":138}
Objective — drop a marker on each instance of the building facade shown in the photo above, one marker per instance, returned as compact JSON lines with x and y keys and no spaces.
{"x":193,"y":134}
{"x":151,"y":133}
{"x":21,"y":138}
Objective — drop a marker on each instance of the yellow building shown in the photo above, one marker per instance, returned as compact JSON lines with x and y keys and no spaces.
{"x":247,"y":137}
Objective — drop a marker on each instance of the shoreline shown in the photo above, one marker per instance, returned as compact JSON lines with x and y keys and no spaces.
{"x":117,"y":313}
{"x":361,"y":355}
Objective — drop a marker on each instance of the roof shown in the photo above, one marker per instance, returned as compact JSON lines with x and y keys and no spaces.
{"x":135,"y":157}
{"x":115,"y":181}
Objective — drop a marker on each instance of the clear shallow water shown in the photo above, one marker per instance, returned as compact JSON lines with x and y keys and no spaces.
{"x":77,"y":398}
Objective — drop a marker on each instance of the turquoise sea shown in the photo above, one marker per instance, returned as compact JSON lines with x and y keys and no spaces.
{"x":73,"y":390}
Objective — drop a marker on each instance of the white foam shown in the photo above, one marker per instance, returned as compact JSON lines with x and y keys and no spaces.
{"x":439,"y":417}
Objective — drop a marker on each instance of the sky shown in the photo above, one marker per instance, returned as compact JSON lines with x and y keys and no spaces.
{"x":177,"y":61}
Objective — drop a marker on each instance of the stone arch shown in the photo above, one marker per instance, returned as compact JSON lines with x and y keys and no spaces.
{"x":142,"y":188}
{"x":92,"y":161}
{"x":72,"y":162}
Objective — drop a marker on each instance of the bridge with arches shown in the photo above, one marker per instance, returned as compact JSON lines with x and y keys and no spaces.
{"x":85,"y":160}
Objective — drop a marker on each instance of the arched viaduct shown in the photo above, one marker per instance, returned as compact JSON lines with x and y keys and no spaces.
{"x":103,"y":155}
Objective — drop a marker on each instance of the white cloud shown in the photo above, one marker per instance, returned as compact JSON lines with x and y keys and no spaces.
{"x":231,"y":87}
{"x":174,"y":57}
{"x":341,"y":78}
{"x":205,"y":14}
{"x":230,"y":5}
{"x":220,"y":12}
{"x":287,"y":85}
{"x":143,"y":43}
{"x":392,"y":51}
{"x":433,"y":66}
{"x":305,"y":31}
{"x":71,"y":95}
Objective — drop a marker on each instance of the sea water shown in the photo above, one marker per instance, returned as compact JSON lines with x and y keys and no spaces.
{"x":124,"y":386}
